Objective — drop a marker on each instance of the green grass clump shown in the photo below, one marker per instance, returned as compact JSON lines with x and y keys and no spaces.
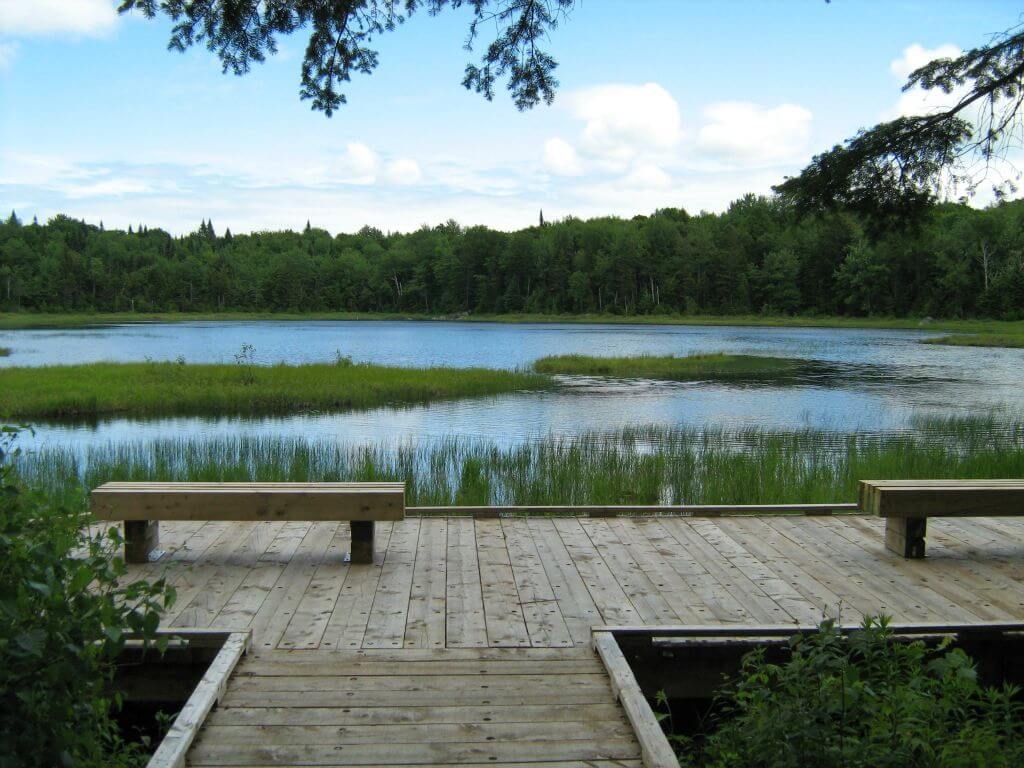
{"x":5,"y":351}
{"x":651,"y":465}
{"x":149,"y":389}
{"x":716,"y":365}
{"x":980,"y":340}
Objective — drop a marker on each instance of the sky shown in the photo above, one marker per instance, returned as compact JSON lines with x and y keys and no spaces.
{"x":661,"y":103}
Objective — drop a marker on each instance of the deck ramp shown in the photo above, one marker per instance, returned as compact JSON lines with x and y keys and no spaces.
{"x":541,"y":707}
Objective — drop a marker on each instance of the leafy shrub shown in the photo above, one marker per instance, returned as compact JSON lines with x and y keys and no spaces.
{"x":863,"y":700}
{"x":64,"y":616}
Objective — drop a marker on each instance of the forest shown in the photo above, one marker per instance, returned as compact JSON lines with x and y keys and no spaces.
{"x":756,"y":257}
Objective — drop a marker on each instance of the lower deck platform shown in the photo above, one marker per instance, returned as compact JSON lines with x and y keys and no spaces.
{"x":468,"y":707}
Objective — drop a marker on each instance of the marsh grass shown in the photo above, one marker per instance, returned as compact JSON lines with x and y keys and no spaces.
{"x":161,"y":388}
{"x":716,"y":365}
{"x":979,"y":340}
{"x":650,"y":465}
{"x":5,"y":351}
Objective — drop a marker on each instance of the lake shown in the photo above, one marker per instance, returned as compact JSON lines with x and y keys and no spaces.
{"x":868,"y":381}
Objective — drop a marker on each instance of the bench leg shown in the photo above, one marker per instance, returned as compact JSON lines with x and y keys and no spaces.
{"x":905,"y":536}
{"x":141,"y":538}
{"x":362,"y":541}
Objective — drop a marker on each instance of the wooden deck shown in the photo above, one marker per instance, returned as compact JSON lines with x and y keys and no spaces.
{"x":468,"y":641}
{"x":544,"y":582}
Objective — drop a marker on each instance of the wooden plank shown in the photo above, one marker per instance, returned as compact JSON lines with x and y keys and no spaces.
{"x":264,"y":501}
{"x":738,"y":554}
{"x":606,"y":592}
{"x":171,"y":751}
{"x":416,"y":734}
{"x":627,"y":510}
{"x":655,"y":750}
{"x":490,"y":684}
{"x":328,"y":666}
{"x":959,"y":498}
{"x":575,"y":604}
{"x":712,"y":600}
{"x":815,"y":585}
{"x":273,"y":616}
{"x":683,"y":601}
{"x":355,"y":715}
{"x":731,"y":579}
{"x":631,"y":575}
{"x":425,"y":623}
{"x":503,"y":613}
{"x":465,"y":625}
{"x":348,"y":623}
{"x":541,"y":611}
{"x":309,"y":621}
{"x":429,"y":753}
{"x":419,"y":698}
{"x":385,"y":627}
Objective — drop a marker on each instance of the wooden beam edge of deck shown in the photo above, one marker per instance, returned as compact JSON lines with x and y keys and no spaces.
{"x":174,"y":746}
{"x":655,"y":750}
{"x":631,"y":510}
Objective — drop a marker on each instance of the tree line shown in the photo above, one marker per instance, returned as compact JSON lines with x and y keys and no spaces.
{"x":758,"y":256}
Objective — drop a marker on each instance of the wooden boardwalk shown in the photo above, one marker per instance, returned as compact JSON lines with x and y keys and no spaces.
{"x":468,"y":641}
{"x":499,"y":706}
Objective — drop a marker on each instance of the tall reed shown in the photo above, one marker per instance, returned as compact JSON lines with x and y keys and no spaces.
{"x":645,"y":465}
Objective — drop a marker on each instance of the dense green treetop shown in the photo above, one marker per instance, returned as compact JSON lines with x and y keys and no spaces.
{"x":758,"y":256}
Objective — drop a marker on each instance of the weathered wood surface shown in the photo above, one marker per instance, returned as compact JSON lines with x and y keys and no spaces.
{"x":544,"y":582}
{"x":419,"y":707}
{"x":249,"y":501}
{"x":942,"y":498}
{"x":468,"y":641}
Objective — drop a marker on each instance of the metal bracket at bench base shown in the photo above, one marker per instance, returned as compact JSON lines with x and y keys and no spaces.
{"x":905,"y":536}
{"x":142,"y":541}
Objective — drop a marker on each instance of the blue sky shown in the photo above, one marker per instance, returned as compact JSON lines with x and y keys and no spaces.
{"x":662,"y":103}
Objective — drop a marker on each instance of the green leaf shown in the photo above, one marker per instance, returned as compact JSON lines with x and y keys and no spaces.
{"x":32,"y":642}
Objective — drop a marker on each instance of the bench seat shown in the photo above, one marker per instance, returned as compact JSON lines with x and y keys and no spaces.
{"x":906,"y":505}
{"x":141,"y":505}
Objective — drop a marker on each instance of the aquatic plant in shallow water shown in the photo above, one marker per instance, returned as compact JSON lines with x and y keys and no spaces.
{"x":646,"y":465}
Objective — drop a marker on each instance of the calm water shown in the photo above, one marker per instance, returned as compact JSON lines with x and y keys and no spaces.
{"x":875,"y":380}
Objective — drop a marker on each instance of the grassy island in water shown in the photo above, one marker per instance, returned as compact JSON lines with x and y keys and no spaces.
{"x":160,"y":389}
{"x":716,"y":366}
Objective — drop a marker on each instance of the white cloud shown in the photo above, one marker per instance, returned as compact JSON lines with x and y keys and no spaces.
{"x":624,"y":120}
{"x":916,"y":56}
{"x":561,"y":159}
{"x":359,"y":159}
{"x":54,"y":17}
{"x":648,"y":176}
{"x":403,"y":171}
{"x":918,"y":101}
{"x":747,"y":133}
{"x":7,"y":53}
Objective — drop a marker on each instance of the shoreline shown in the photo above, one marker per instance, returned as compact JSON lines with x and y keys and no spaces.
{"x":41,"y":320}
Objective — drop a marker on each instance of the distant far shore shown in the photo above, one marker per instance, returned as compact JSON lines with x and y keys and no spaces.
{"x":1007,"y":333}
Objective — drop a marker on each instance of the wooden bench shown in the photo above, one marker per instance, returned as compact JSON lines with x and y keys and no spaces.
{"x":906,"y":505}
{"x":142,"y":505}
